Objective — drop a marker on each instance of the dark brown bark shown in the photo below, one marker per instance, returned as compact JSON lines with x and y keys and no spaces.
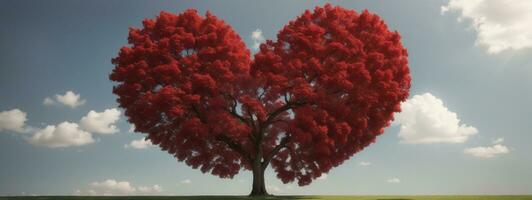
{"x":258,"y":188}
{"x":261,"y":161}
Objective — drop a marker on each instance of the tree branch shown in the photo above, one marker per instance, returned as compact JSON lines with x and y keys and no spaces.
{"x":271,"y":119}
{"x":233,"y":112}
{"x":232,"y":145}
{"x":286,"y":98}
{"x":274,"y":151}
{"x":261,"y":95}
{"x":235,"y":147}
{"x":281,"y":109}
{"x":198,"y":114}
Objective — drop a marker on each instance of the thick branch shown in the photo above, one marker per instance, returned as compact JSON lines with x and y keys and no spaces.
{"x":261,"y":95}
{"x":253,"y":126}
{"x":198,"y":114}
{"x":271,"y":118}
{"x":274,"y":151}
{"x":287,"y":106}
{"x":286,"y":98}
{"x":232,"y":145}
{"x":235,"y":147}
{"x":233,"y":112}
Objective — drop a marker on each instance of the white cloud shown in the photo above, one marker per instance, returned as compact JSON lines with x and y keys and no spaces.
{"x":364,"y":163}
{"x":70,"y":99}
{"x":487,"y":152}
{"x":13,"y":120}
{"x":500,"y":24}
{"x":132,"y":128}
{"x":139,"y":144}
{"x":150,"y":189}
{"x":48,"y":101}
{"x":112,"y":186}
{"x":68,"y":134}
{"x":498,"y":141}
{"x":64,"y":134}
{"x":393,"y":180}
{"x":186,"y":181}
{"x":257,"y":38}
{"x":101,"y":122}
{"x":424,"y":119}
{"x":322,"y":177}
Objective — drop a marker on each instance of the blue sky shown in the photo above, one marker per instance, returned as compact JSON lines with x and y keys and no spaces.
{"x":465,"y":130}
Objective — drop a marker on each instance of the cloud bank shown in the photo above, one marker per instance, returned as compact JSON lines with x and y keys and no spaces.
{"x":112,"y":187}
{"x":139,"y":144}
{"x":70,"y":99}
{"x":67,"y":134}
{"x":424,"y":119}
{"x":64,"y":134}
{"x":500,"y":24}
{"x":13,"y":120}
{"x":393,"y":180}
{"x":101,"y":122}
{"x":487,"y":152}
{"x":257,"y":38}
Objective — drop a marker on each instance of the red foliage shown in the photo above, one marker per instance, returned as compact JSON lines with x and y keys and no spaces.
{"x":319,"y":94}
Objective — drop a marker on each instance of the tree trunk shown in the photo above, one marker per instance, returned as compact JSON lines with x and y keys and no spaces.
{"x":259,"y":188}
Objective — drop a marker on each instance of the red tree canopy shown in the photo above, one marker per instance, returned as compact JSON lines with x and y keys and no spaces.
{"x":324,"y":90}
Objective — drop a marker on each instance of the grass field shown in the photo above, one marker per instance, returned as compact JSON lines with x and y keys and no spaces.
{"x":472,"y":197}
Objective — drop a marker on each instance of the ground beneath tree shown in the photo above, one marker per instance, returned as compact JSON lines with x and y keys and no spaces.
{"x":469,"y":197}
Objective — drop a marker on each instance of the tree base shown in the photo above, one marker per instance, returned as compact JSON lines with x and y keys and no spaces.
{"x":258,"y":189}
{"x":260,"y":194}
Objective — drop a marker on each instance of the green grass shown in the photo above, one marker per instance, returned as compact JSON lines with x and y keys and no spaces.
{"x":470,"y":197}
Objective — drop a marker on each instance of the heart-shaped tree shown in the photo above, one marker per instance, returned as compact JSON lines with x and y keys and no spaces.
{"x":307,"y":102}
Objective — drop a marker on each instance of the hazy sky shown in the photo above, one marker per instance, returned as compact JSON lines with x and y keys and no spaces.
{"x":466,"y":128}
